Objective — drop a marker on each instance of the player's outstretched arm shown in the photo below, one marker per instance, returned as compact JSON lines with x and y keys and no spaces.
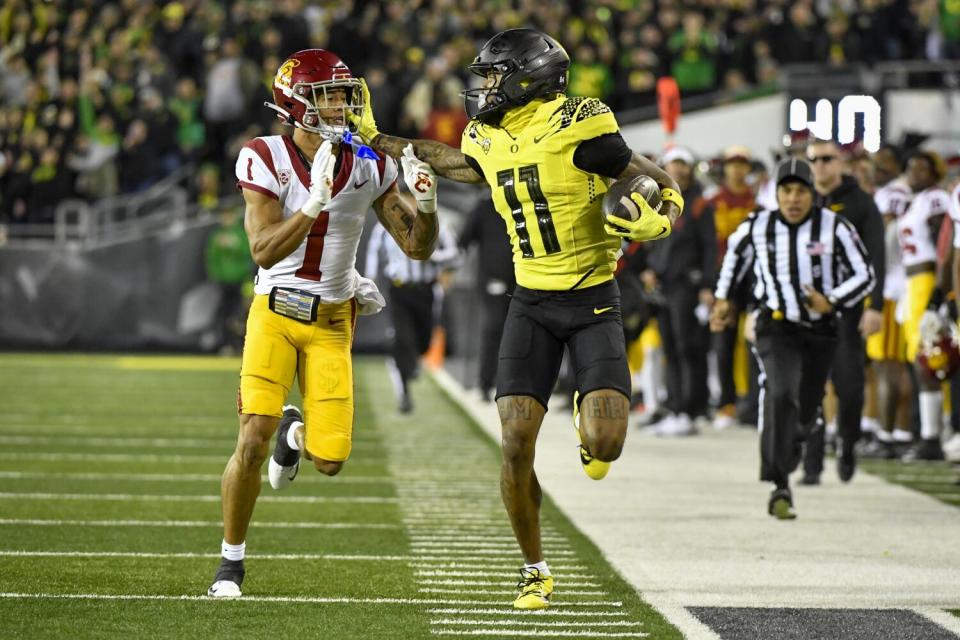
{"x":444,"y":159}
{"x":641,"y":166}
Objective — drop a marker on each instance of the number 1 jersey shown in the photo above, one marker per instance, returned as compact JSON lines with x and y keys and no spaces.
{"x":324,"y":263}
{"x":551,"y":207}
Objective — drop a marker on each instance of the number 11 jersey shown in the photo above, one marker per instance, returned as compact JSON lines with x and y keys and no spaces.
{"x":551,"y":207}
{"x":324,"y":263}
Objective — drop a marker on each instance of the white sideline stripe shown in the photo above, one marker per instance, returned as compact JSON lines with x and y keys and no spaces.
{"x":180,"y":477}
{"x":499,"y":583}
{"x":305,"y":599}
{"x":471,"y":537}
{"x":186,"y":554}
{"x":193,"y":523}
{"x":537,"y":623}
{"x":540,"y":632}
{"x":940,"y":617}
{"x":511,"y":591}
{"x":147,"y":497}
{"x":552,"y":612}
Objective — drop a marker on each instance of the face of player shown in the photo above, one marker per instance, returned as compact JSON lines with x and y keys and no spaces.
{"x":795,"y":200}
{"x":919,"y":173}
{"x":885,"y":166}
{"x":331,"y":103}
{"x":735,"y":172}
{"x":681,"y":172}
{"x":490,"y":82}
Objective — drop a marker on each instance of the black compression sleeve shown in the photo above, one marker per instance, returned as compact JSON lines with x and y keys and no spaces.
{"x":607,"y":155}
{"x":473,"y":165}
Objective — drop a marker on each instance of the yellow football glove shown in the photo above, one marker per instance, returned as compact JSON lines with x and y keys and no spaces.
{"x":649,"y":225}
{"x":365,"y":124}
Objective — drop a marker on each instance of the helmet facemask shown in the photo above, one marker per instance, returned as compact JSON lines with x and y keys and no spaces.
{"x":316,"y":97}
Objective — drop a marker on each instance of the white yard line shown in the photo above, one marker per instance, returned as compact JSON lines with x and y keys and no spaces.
{"x":511,"y":591}
{"x":293,"y":599}
{"x":146,"y":554}
{"x":467,"y":622}
{"x":179,"y":477}
{"x":193,"y":523}
{"x":538,"y":632}
{"x":145,"y":497}
{"x":547,"y":613}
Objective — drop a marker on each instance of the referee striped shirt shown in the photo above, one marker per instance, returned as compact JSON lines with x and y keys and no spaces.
{"x":385,"y":256}
{"x":824,"y":252}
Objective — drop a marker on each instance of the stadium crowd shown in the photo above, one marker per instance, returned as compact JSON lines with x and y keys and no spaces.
{"x":99,"y":98}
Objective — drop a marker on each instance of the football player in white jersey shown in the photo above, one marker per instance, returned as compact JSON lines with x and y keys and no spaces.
{"x":887,"y":348}
{"x":918,"y":230}
{"x":307,"y":196}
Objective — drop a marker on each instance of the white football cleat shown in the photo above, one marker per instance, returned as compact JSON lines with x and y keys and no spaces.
{"x":224,"y":589}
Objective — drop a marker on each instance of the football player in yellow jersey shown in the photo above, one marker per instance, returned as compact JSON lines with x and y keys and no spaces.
{"x":547,"y":159}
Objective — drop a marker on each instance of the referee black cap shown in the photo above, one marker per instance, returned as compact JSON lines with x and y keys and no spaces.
{"x":795,"y":169}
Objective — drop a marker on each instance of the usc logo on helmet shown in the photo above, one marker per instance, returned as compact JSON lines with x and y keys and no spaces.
{"x":285,"y":72}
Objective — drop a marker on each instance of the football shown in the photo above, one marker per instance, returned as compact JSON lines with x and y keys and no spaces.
{"x":617,"y":202}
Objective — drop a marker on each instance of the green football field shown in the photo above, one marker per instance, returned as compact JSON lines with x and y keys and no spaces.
{"x":110,"y":518}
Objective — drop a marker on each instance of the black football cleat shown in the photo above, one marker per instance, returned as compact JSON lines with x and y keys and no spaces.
{"x":285,"y":461}
{"x":228,"y":579}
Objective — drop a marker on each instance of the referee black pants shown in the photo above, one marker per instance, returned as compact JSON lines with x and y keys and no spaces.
{"x":411,"y":309}
{"x":849,"y":366}
{"x":795,"y":362}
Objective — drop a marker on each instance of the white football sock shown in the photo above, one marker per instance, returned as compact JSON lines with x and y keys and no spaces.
{"x":931,"y":414}
{"x":292,"y":436}
{"x":233,"y":551}
{"x":539,"y":566}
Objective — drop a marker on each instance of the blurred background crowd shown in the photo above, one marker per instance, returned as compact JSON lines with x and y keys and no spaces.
{"x":99,"y":98}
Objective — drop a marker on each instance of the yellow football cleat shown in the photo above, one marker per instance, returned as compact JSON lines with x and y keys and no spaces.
{"x":535,"y":590}
{"x":595,"y":469}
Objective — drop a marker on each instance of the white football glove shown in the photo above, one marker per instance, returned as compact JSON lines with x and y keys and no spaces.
{"x":420,"y":179}
{"x":931,"y":323}
{"x":321,"y":181}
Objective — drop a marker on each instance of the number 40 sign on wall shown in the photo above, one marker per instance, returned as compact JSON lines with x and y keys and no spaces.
{"x":846,"y":119}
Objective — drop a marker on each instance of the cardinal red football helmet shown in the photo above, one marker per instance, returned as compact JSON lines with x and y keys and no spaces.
{"x":304,"y":86}
{"x":939,"y":353}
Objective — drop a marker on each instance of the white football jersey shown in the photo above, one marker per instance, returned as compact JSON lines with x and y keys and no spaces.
{"x":892,"y":200}
{"x":955,"y":215}
{"x":917,"y":243}
{"x":324,"y":264}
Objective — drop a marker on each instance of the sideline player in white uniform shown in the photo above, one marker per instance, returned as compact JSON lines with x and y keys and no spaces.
{"x":303,"y":222}
{"x":887,"y":348}
{"x":918,"y":230}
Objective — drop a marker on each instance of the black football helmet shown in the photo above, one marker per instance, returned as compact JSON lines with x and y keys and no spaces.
{"x":532,"y":65}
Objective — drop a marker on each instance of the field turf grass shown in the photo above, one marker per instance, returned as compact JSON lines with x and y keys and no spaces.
{"x":110,"y":518}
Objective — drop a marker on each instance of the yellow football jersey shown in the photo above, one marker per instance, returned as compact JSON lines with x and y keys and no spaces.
{"x":551,"y":208}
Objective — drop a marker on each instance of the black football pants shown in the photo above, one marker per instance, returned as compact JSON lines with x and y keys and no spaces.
{"x":795,"y":362}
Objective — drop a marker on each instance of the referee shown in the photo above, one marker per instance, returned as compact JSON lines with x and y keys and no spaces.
{"x":808,"y":263}
{"x":415,"y":301}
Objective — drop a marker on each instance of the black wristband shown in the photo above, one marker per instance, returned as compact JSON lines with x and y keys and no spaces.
{"x":936,"y":299}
